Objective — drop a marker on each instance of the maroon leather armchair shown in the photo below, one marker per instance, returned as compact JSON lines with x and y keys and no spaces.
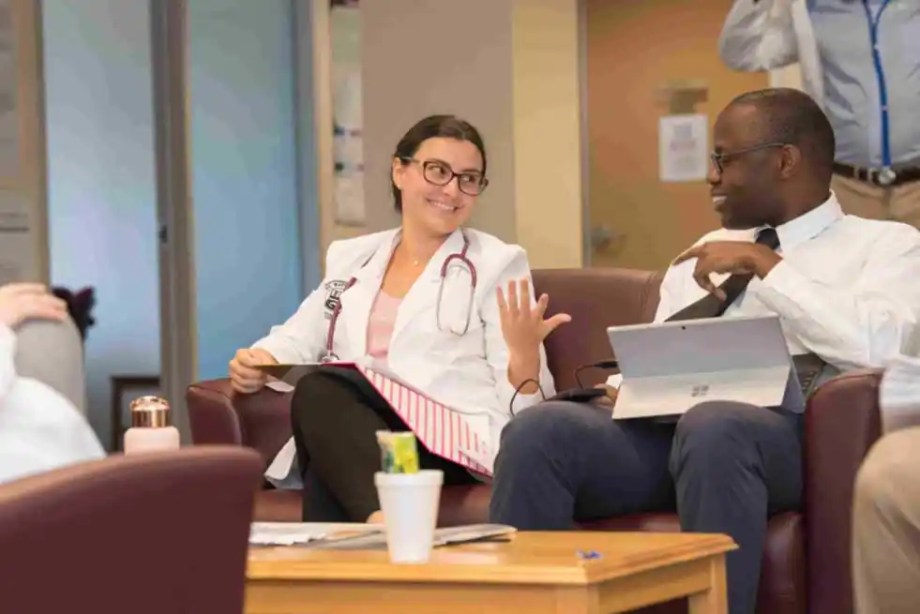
{"x":146,"y":534}
{"x":807,"y":558}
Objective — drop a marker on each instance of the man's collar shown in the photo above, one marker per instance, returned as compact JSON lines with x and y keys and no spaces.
{"x":810,"y":224}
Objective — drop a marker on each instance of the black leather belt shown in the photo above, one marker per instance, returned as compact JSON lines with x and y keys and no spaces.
{"x":884,"y":177}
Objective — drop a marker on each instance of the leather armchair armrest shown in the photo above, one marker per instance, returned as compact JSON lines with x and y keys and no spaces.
{"x":841,"y":424}
{"x":217,"y":414}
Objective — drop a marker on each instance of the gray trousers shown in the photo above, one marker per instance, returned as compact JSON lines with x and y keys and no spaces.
{"x":886,"y":531}
{"x":726,"y":467}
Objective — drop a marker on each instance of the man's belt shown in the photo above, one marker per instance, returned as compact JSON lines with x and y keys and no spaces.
{"x":884,"y":177}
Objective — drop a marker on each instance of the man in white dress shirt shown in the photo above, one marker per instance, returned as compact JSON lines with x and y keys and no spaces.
{"x":39,"y":428}
{"x":846,"y":292}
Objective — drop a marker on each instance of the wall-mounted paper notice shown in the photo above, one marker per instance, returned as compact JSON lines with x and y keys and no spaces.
{"x":683,"y":147}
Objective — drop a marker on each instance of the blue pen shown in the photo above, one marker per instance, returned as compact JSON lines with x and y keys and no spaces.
{"x":586,"y":555}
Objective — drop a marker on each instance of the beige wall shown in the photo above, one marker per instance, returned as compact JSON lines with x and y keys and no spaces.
{"x":790,"y":76}
{"x":423,"y":57}
{"x":548,"y":121}
{"x":510,"y":67}
{"x":649,"y":221}
{"x":515,"y":70}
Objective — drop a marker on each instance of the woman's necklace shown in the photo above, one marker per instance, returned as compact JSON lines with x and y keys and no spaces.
{"x":416,"y":262}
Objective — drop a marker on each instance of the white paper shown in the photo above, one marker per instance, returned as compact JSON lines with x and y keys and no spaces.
{"x":284,"y":471}
{"x":293,"y":533}
{"x":683,"y":147}
{"x":899,"y":394}
{"x":615,"y":380}
{"x":442,"y":537}
{"x":278,"y":386}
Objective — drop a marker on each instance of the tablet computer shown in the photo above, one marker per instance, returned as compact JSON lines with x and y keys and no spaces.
{"x":669,"y":367}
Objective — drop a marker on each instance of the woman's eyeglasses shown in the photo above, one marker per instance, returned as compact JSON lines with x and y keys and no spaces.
{"x":440,"y":173}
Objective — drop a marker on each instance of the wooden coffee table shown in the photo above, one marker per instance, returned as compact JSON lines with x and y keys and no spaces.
{"x":532,"y":573}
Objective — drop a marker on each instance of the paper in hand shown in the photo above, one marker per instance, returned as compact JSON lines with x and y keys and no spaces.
{"x":288,"y":374}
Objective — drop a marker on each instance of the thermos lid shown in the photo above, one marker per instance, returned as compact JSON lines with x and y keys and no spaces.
{"x":149,"y":412}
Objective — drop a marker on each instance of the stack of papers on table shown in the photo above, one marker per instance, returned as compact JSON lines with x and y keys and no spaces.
{"x":446,"y":536}
{"x":359,"y":536}
{"x":298,"y":533}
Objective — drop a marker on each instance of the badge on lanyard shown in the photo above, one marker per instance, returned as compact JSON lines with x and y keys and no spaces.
{"x":334,"y":289}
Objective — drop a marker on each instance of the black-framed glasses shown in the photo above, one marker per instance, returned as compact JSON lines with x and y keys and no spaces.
{"x":719,"y":158}
{"x":437,"y":172}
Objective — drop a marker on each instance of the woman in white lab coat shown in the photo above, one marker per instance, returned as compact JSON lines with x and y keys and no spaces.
{"x":39,"y":429}
{"x":427,"y":301}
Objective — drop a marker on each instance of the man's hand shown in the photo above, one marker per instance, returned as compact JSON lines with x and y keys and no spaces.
{"x":728,"y":257}
{"x":609,"y":399}
{"x":21,"y":302}
{"x":244,"y":377}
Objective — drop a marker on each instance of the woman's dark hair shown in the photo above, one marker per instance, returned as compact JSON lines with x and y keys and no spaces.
{"x":446,"y":126}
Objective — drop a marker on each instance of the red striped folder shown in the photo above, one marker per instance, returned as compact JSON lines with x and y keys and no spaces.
{"x":442,"y":431}
{"x":446,"y":432}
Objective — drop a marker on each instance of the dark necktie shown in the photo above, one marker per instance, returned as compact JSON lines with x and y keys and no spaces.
{"x":710,"y":306}
{"x":807,"y":366}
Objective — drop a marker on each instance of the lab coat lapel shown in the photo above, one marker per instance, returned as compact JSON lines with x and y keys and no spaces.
{"x":424,"y":292}
{"x":358,"y":300}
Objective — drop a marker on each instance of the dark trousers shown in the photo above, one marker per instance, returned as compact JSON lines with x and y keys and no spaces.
{"x":726,"y":467}
{"x":335,"y":414}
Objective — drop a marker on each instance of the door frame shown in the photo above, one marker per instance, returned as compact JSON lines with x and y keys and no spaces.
{"x":175,"y":210}
{"x":175,"y":219}
{"x":313,"y":109}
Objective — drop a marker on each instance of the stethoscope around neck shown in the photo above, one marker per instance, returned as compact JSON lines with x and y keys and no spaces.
{"x":457,"y":259}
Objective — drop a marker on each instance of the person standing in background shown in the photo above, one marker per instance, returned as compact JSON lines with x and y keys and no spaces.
{"x":860,"y":61}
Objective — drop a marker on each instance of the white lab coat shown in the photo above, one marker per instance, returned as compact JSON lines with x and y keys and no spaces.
{"x":772,"y":34}
{"x":467,"y":373}
{"x":40,"y":430}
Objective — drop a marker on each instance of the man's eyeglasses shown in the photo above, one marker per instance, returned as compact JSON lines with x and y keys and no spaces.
{"x":440,"y":173}
{"x":719,"y":158}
